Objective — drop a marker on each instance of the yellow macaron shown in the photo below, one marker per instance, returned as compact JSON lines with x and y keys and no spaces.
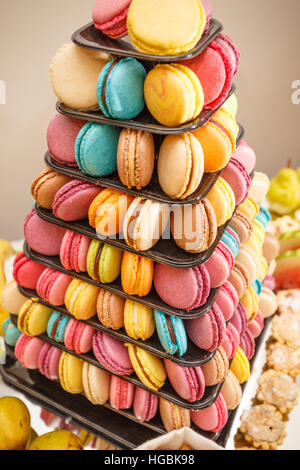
{"x":249,"y":208}
{"x":138,"y":320}
{"x":240,"y":366}
{"x":222,"y":199}
{"x":250,"y":301}
{"x":70,"y":373}
{"x":81,"y":299}
{"x":148,"y":368}
{"x":33,"y":318}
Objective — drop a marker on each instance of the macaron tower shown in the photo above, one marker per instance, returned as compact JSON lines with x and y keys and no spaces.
{"x":148,"y":275}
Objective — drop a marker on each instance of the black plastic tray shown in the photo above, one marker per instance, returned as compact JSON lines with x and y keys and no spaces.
{"x":194,"y":356}
{"x":91,"y":38}
{"x":151,"y":300}
{"x":66,"y":406}
{"x":144,"y":121}
{"x":164,"y":252}
{"x":153,"y":190}
{"x":167,"y":392}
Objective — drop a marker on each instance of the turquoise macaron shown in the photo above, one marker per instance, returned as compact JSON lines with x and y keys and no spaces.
{"x":11,"y":333}
{"x":257,"y":286}
{"x":56,"y":327}
{"x":96,"y":149}
{"x":120,"y":88}
{"x":263,"y":216}
{"x":231,"y":239}
{"x":171,"y":333}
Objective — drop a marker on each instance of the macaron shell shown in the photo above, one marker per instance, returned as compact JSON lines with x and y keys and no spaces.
{"x":46,"y":185}
{"x":136,"y":274}
{"x":110,"y":310}
{"x":149,"y":368}
{"x":33,"y":318}
{"x":11,"y":299}
{"x":211,"y":419}
{"x":145,"y":405}
{"x":227,"y":300}
{"x":179,"y":288}
{"x":110,"y":17}
{"x":173,"y":416}
{"x":121,"y":394}
{"x":216,"y":369}
{"x":188,"y":382}
{"x":61,"y":136}
{"x":218,"y":267}
{"x":208,"y":331}
{"x":73,"y":200}
{"x":41,"y":236}
{"x":246,"y":156}
{"x":74,"y":73}
{"x":52,"y":286}
{"x":26,"y":272}
{"x":240,"y":366}
{"x":70,"y":373}
{"x":110,"y":264}
{"x":138,"y":320}
{"x":112,"y":354}
{"x":96,"y":384}
{"x":81,"y":299}
{"x":27,"y":351}
{"x":135,"y":158}
{"x":231,"y":341}
{"x":177,"y":38}
{"x":231,"y":391}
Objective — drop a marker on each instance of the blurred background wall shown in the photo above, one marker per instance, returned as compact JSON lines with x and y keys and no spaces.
{"x":267,"y":33}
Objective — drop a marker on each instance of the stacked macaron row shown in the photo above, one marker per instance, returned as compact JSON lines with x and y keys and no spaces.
{"x":118,"y":358}
{"x":174,"y":93}
{"x":98,"y":150}
{"x":100,"y":387}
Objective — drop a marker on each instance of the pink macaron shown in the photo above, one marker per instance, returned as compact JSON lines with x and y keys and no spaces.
{"x":188,"y":382}
{"x":208,"y":331}
{"x":238,"y":179}
{"x":112,"y":354}
{"x":270,"y":282}
{"x":216,"y":68}
{"x":52,"y":286}
{"x":219,"y":265}
{"x":257,"y":325}
{"x":247,"y":344}
{"x":79,"y":337}
{"x":208,"y":8}
{"x":185,"y":289}
{"x":27,"y":351}
{"x":211,"y":419}
{"x":73,"y":251}
{"x":48,"y":362}
{"x":227,"y":300}
{"x":246,"y":156}
{"x":111,"y":16}
{"x":240,"y":319}
{"x":121,"y":394}
{"x":26,"y":272}
{"x":41,"y":236}
{"x":73,"y":200}
{"x":61,"y":137}
{"x":145,"y":405}
{"x":231,"y":341}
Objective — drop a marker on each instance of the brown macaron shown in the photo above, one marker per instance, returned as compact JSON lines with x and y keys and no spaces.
{"x":135,"y":158}
{"x":194,"y":226}
{"x":216,"y":369}
{"x":180,"y":165}
{"x":46,"y":185}
{"x":110,"y":310}
{"x":173,"y":416}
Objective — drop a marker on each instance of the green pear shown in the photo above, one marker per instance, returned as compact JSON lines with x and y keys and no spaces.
{"x":14,"y":424}
{"x":57,"y":440}
{"x":284,"y":192}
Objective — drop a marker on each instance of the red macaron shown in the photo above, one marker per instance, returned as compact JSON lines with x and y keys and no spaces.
{"x":26,"y":273}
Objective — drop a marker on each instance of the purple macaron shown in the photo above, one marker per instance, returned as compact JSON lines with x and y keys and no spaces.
{"x":112,"y":354}
{"x":208,"y":331}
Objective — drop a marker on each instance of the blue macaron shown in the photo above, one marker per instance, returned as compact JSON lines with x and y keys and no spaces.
{"x":257,"y":286}
{"x":120,"y":88}
{"x":11,"y":333}
{"x":263,"y":216}
{"x":231,"y":239}
{"x":56,"y":327}
{"x":96,"y":149}
{"x":171,"y":333}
